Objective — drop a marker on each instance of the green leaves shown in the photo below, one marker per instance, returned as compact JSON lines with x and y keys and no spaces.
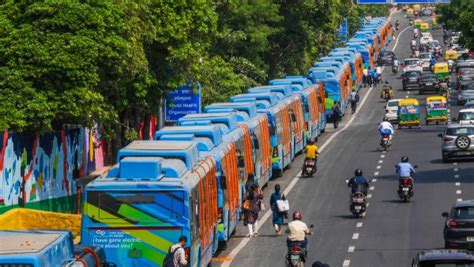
{"x":459,"y":16}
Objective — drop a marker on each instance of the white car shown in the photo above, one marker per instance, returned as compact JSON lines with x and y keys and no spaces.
{"x":391,"y":110}
{"x":466,"y":116}
{"x":412,"y":64}
{"x":425,"y":40}
{"x":425,"y":60}
{"x":427,"y":34}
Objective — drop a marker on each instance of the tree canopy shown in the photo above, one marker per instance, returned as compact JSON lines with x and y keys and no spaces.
{"x":110,"y":62}
{"x":459,"y":16}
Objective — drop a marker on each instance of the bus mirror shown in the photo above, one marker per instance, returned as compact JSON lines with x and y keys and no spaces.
{"x":241,"y":162}
{"x":255,"y":143}
{"x":293,"y":117}
{"x":223,"y":182}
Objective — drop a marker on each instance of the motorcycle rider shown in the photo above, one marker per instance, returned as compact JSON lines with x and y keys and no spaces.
{"x":385,"y":127}
{"x":297,"y":231}
{"x":415,"y":33}
{"x":311,"y":152}
{"x":397,"y":25}
{"x":387,"y":89}
{"x":405,"y":169}
{"x":358,"y":183}
{"x":432,"y":63}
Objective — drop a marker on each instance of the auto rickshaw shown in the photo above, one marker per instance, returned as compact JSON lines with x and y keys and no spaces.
{"x":424,"y":27}
{"x":408,"y":113}
{"x":436,"y":110}
{"x":410,"y":13}
{"x":441,"y":70}
{"x":418,"y":23}
{"x":451,"y":54}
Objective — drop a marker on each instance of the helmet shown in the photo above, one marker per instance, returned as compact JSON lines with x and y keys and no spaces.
{"x":358,"y":172}
{"x":386,"y":82}
{"x":297,"y":215}
{"x":404,"y":159}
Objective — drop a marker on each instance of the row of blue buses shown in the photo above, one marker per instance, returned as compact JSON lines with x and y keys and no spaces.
{"x":190,"y":180}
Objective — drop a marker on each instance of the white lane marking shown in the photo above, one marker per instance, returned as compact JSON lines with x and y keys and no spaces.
{"x":359,"y":224}
{"x":369,"y":196}
{"x":406,"y":96}
{"x":456,"y":169}
{"x":455,"y":163}
{"x":346,"y":263}
{"x":380,"y":161}
{"x":376,"y":173}
{"x":374,"y":180}
{"x":351,"y":249}
{"x":292,"y":184}
{"x":456,"y":176}
{"x":382,"y":156}
{"x":459,"y":199}
{"x":378,"y":167}
{"x":367,"y":205}
{"x":372,"y":188}
{"x":457,"y":184}
{"x":355,"y":236}
{"x":458,"y":192}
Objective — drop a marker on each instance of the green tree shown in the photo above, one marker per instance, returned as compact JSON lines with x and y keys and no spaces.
{"x":459,"y":16}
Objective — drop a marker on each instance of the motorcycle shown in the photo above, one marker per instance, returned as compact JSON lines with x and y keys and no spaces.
{"x":385,"y":142}
{"x":405,"y":188}
{"x":395,"y":69}
{"x":309,"y":167}
{"x":296,"y":255}
{"x":358,"y":204}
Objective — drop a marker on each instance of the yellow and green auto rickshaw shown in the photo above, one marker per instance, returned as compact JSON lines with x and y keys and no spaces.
{"x":441,"y":70}
{"x":451,"y":55}
{"x":436,"y":110}
{"x":417,"y":23}
{"x":424,"y":27}
{"x":408,"y":113}
{"x":410,"y":13}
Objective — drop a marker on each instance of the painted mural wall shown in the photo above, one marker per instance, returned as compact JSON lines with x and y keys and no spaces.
{"x":35,"y":170}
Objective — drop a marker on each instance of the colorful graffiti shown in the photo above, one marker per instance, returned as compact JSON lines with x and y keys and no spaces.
{"x":44,"y":168}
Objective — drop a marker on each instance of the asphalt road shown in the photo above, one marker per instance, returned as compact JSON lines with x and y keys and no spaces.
{"x":392,"y":232}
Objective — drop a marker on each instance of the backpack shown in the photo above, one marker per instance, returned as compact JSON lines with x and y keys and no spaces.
{"x":169,"y":258}
{"x":357,"y":97}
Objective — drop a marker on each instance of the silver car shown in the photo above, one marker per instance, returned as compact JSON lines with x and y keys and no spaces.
{"x":458,"y":141}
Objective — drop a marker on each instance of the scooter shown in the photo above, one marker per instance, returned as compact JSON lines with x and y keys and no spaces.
{"x":296,"y":255}
{"x":405,"y":188}
{"x":358,"y":204}
{"x":309,"y":167}
{"x":385,"y":142}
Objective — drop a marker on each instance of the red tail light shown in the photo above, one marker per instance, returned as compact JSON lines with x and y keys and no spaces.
{"x":387,"y":110}
{"x":452,"y":223}
{"x":406,"y":181}
{"x":385,"y":136}
{"x":295,"y":249}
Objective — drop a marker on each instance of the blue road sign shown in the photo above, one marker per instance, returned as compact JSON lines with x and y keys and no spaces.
{"x":182,"y":101}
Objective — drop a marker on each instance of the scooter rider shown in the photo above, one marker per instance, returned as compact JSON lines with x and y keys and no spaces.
{"x":385,"y":127}
{"x":311,"y":152}
{"x":405,"y":169}
{"x":387,"y":89}
{"x":297,"y":231}
{"x":358,"y":183}
{"x":413,"y":44}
